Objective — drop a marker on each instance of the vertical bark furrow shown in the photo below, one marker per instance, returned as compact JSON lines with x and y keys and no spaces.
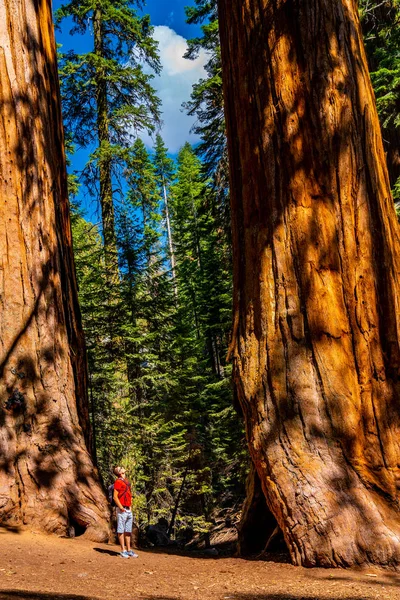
{"x":316,"y":277}
{"x":43,"y":410}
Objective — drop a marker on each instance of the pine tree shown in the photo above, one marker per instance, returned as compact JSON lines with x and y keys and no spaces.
{"x":207,"y":105}
{"x":207,"y":101}
{"x":107,"y":96}
{"x":187,"y":192}
{"x":148,"y":297}
{"x":164,"y":167}
{"x":203,"y":323}
{"x":108,"y":391}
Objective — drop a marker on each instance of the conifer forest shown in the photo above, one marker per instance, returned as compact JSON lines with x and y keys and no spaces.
{"x":219,"y":316}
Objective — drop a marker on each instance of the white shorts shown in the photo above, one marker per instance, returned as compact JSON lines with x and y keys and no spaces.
{"x":124,"y":520}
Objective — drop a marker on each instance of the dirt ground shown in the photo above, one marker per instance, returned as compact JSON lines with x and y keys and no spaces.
{"x":37,"y":567}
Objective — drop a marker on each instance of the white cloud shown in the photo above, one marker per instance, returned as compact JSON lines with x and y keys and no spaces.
{"x":174,"y":86}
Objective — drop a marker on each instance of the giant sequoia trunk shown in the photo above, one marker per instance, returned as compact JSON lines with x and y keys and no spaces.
{"x":47,"y":479}
{"x":316,"y":258}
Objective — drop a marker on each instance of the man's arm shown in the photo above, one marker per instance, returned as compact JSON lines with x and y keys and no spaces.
{"x":116,"y":500}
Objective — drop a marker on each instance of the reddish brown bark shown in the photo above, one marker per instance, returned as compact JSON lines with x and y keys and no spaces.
{"x":316,"y":260}
{"x":47,"y":479}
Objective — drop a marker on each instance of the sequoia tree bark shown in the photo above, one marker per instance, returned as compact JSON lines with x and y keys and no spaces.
{"x":316,"y":277}
{"x":47,"y":478}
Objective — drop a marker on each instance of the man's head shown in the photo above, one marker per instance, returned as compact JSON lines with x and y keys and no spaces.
{"x":119,"y":471}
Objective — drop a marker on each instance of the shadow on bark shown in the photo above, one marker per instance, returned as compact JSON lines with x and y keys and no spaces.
{"x":47,"y":478}
{"x":316,"y":246}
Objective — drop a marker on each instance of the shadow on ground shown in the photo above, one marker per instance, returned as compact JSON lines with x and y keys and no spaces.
{"x":106,"y":551}
{"x":284,"y":596}
{"x":389,"y":579}
{"x":273,"y":557}
{"x":10,"y":529}
{"x":25,"y":595}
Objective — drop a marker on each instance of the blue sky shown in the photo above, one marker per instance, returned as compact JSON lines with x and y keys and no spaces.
{"x":172,"y":14}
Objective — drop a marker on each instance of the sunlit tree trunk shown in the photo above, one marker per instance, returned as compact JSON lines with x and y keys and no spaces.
{"x":316,"y":260}
{"x":47,"y":478}
{"x":170,"y":241}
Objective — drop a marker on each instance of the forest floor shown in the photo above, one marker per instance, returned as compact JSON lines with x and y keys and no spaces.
{"x":37,"y":567}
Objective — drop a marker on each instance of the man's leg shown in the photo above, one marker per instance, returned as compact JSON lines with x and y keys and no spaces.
{"x":121,"y":537}
{"x":128,"y":535}
{"x":128,"y":529}
{"x":121,"y":521}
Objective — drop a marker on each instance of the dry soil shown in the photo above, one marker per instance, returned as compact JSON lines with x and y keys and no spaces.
{"x":37,"y":567}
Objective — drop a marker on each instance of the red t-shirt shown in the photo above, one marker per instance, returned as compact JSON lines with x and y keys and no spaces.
{"x":123,"y":488}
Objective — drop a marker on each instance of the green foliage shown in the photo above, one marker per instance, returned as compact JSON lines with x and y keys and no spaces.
{"x":381,"y":27}
{"x":207,"y":105}
{"x":107,"y":97}
{"x":160,"y":389}
{"x":126,"y":43}
{"x":163,"y":164}
{"x":107,"y":380}
{"x":204,"y":283}
{"x":162,"y":403}
{"x":207,"y":101}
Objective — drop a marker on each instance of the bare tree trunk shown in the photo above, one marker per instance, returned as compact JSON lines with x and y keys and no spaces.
{"x":170,"y":242}
{"x":316,"y":277}
{"x":47,"y":478}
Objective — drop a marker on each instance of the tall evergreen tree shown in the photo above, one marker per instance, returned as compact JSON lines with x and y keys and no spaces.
{"x":187,"y":193}
{"x":107,"y":96}
{"x":108,"y":391}
{"x":204,"y":319}
{"x":207,"y":101}
{"x":207,"y":105}
{"x":165,"y":171}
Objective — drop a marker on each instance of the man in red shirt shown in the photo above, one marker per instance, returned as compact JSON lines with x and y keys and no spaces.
{"x":123,"y":499}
